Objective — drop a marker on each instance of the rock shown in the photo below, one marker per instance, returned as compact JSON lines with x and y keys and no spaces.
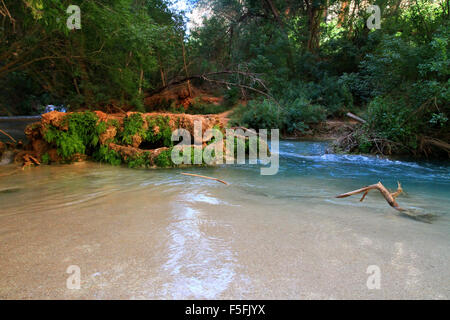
{"x":109,"y":134}
{"x":54,"y":156}
{"x":39,"y":147}
{"x":78,"y":157}
{"x":54,"y":118}
{"x":137,"y":140}
{"x":34,"y":131}
{"x":126,"y":151}
{"x":101,"y":116}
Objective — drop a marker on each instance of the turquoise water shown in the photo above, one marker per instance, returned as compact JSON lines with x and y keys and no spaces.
{"x":426,"y":183}
{"x":159,"y":234}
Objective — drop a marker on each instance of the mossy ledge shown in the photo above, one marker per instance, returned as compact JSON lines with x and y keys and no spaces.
{"x":134,"y":139}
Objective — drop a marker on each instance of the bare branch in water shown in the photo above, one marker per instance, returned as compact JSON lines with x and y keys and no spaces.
{"x":8,"y":136}
{"x":389,"y":196}
{"x":204,"y":177}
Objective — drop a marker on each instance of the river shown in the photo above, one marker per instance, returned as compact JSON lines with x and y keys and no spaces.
{"x":157,"y":234}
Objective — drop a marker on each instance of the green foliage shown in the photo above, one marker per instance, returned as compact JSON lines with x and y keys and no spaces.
{"x":164,"y":159}
{"x":258,"y":114}
{"x":45,"y":158}
{"x":132,"y":125}
{"x":158,"y":134}
{"x":68,"y":144}
{"x":106,"y":155}
{"x":315,"y":68}
{"x":97,"y":65}
{"x":365,"y":144}
{"x":81,"y":136}
{"x":162,"y":136}
{"x":439,"y":119}
{"x":391,"y":121}
{"x":199,"y":107}
{"x":231,"y":97}
{"x":299,"y":114}
{"x":140,"y":161}
{"x":291,"y":115}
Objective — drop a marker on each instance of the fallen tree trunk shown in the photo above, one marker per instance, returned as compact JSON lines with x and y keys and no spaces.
{"x":389,"y":196}
{"x":355,"y":117}
{"x":252,"y":77}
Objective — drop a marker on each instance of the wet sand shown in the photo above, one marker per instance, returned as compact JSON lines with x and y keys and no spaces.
{"x":155,"y":234}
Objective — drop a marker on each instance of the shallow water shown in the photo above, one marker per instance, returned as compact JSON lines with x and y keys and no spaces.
{"x":15,"y":126}
{"x":161,"y":235}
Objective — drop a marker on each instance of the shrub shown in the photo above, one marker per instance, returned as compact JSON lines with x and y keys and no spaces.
{"x":258,"y":114}
{"x":389,"y":118}
{"x":293,"y":115}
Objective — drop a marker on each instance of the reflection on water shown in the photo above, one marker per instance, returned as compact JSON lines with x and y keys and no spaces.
{"x":191,"y":255}
{"x":159,"y":234}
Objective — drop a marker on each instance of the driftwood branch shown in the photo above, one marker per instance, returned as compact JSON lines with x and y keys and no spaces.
{"x":389,"y":196}
{"x":8,"y":135}
{"x":204,"y":177}
{"x":29,"y":160}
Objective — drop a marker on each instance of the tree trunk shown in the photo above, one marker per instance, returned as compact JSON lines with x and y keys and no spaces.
{"x":161,"y":70}
{"x":343,"y":13}
{"x":315,"y":14}
{"x":185,"y":68}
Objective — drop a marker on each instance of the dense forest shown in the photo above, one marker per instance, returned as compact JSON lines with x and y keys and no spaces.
{"x":287,"y":64}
